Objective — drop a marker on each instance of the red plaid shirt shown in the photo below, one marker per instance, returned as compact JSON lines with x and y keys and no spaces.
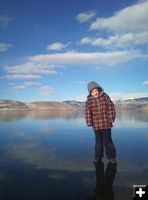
{"x":100,"y":112}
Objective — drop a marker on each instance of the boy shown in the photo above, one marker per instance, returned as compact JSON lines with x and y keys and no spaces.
{"x":100,"y":114}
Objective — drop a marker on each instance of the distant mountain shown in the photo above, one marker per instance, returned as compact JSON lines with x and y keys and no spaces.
{"x":142,"y":99}
{"x":77,"y":104}
{"x":139,"y":103}
{"x":51,"y":105}
{"x":12,"y":105}
{"x":39,"y":105}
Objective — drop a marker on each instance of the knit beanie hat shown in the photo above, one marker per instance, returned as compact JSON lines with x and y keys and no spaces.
{"x":92,"y":85}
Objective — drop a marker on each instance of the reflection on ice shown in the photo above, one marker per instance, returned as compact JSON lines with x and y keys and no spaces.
{"x":16,"y":115}
{"x":131,"y":118}
{"x":55,"y":150}
{"x":104,"y":181}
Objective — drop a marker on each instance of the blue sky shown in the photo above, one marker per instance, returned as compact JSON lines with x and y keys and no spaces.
{"x":51,"y":49}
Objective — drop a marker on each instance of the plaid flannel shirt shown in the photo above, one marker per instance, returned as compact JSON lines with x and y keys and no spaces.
{"x":100,"y":112}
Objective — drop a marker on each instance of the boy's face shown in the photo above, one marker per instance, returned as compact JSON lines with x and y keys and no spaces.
{"x":95,"y":92}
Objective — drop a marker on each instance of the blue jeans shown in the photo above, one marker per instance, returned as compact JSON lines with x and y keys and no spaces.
{"x":103,"y":139}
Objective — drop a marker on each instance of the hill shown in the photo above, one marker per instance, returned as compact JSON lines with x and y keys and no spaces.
{"x":139,"y":103}
{"x":12,"y":105}
{"x":39,"y":105}
{"x":50,"y":105}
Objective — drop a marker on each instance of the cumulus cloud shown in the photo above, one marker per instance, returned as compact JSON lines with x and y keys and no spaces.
{"x":4,"y":47}
{"x":57,"y":46}
{"x":118,"y":40}
{"x":130,"y":19}
{"x":85,"y":16}
{"x":46,"y":90}
{"x":127,"y":28}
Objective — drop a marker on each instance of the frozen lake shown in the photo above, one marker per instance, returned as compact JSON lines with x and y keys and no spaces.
{"x":48,"y":155}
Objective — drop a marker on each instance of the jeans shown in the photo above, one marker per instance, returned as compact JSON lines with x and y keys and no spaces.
{"x":103,"y":139}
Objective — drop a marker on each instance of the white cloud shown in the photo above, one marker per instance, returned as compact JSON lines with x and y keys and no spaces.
{"x":145,"y":83}
{"x":57,"y":46}
{"x":142,"y":38}
{"x":130,"y":19}
{"x":85,"y":16}
{"x":21,"y":77}
{"x":46,"y":90}
{"x":4,"y":20}
{"x":36,"y":67}
{"x":30,"y":68}
{"x":76,"y":58}
{"x":18,"y":87}
{"x":28,"y":71}
{"x":127,"y":28}
{"x":4,"y":47}
{"x":118,"y":40}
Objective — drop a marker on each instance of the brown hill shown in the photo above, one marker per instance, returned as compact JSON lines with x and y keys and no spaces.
{"x":12,"y":105}
{"x":50,"y":105}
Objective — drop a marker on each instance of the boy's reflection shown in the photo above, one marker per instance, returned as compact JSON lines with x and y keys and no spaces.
{"x":104,"y":181}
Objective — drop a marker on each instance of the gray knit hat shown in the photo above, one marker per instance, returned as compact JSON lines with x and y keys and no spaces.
{"x":92,"y":85}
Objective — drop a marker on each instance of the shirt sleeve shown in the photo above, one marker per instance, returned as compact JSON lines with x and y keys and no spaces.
{"x":88,"y":113}
{"x":111,"y":109}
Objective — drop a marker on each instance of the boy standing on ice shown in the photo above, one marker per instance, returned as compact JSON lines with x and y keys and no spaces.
{"x":100,"y":114}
